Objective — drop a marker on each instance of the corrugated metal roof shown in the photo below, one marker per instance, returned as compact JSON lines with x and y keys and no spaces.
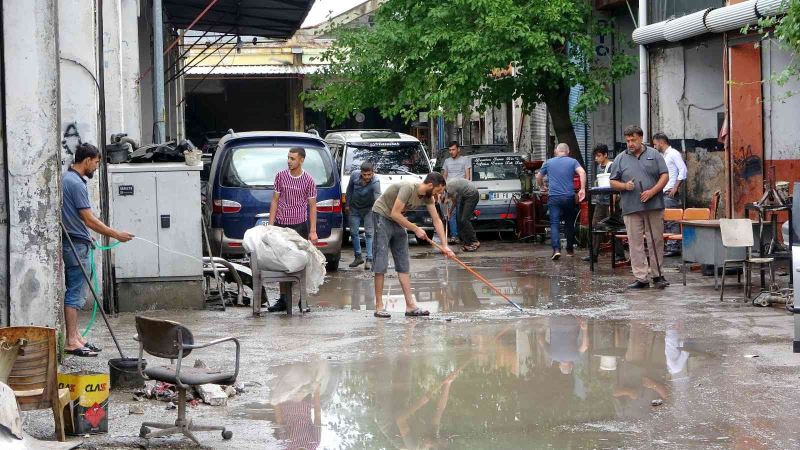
{"x":267,"y":69}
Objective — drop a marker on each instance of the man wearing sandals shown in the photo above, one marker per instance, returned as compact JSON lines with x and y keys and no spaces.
{"x":463,"y":197}
{"x":77,"y":217}
{"x":391,"y":235}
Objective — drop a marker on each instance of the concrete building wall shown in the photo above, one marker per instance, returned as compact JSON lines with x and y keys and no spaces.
{"x":30,"y":32}
{"x":781,"y":108}
{"x":687,"y":100}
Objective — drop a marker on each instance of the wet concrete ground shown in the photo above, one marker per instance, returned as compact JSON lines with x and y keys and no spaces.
{"x":587,"y":365}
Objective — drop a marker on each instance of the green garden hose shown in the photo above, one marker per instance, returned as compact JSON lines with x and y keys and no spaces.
{"x":94,"y":281}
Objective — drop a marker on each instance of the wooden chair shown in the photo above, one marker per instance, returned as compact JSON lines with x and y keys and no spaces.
{"x":34,"y":376}
{"x":670,"y":214}
{"x":689,"y":214}
{"x":714,"y":206}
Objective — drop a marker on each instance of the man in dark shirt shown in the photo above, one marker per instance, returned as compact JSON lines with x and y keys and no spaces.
{"x":640,"y":173}
{"x":463,"y":197}
{"x":77,"y":217}
{"x":560,"y":171}
{"x":362,"y":191}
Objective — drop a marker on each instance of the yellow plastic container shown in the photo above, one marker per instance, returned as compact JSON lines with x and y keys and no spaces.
{"x":88,"y":392}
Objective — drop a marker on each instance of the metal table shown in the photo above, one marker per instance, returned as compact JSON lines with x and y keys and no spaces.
{"x":612,"y":210}
{"x":768,"y":242}
{"x":702,"y":244}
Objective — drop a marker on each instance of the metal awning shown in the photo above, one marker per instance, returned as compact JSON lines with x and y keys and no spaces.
{"x":277,"y":19}
{"x":265,"y":69}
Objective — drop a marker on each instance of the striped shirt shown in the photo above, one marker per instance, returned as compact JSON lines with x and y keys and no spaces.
{"x":294,"y":193}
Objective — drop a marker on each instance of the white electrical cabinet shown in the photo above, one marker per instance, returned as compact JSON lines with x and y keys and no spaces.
{"x":159,"y":202}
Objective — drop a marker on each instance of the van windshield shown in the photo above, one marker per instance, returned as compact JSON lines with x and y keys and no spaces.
{"x":254,"y":166}
{"x":494,"y":168}
{"x":388,"y":158}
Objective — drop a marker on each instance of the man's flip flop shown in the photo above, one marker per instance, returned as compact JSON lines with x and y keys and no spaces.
{"x":417,"y":313}
{"x":382,"y":314}
{"x":93,"y":347}
{"x":83,"y":352}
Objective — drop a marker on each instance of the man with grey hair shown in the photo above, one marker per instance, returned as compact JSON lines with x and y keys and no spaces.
{"x":560,"y":171}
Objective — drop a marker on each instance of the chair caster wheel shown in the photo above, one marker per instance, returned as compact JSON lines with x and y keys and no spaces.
{"x":227,"y":434}
{"x":144,"y":431}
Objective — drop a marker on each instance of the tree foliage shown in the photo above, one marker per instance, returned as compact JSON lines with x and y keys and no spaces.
{"x":786,"y":30}
{"x":437,"y":56}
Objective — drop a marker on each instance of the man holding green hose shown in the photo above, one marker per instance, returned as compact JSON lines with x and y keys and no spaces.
{"x":77,"y":217}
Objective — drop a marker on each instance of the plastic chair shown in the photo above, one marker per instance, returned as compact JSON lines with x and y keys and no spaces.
{"x":738,"y":233}
{"x":34,"y":375}
{"x":261,"y":277}
{"x":171,"y":340}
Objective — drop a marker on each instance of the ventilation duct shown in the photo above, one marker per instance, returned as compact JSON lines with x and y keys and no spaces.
{"x":769,"y":8}
{"x":732,"y":17}
{"x":649,"y":33}
{"x":711,"y":20}
{"x":690,"y":25}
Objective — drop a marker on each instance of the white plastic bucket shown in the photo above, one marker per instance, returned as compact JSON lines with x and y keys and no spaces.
{"x":604,"y":180}
{"x":193,"y":157}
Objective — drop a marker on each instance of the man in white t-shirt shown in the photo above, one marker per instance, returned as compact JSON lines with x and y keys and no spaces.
{"x":672,"y":198}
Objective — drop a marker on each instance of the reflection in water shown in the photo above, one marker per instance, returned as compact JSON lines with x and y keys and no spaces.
{"x":531,"y":384}
{"x":296,"y":398}
{"x":447,"y":288}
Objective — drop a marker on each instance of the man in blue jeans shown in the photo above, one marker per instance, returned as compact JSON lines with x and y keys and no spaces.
{"x":560,"y":171}
{"x":77,"y":217}
{"x":362,"y":191}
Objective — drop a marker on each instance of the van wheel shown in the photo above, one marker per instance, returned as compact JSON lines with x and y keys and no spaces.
{"x":332,"y":264}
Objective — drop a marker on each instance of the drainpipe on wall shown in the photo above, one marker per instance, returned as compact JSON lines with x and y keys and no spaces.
{"x":644,"y":103}
{"x":158,"y":74}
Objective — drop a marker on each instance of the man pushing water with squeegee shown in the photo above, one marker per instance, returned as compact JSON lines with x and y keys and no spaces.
{"x":391,"y":228}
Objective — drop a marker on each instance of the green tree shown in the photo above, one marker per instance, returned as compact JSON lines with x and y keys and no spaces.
{"x":786,"y":30}
{"x":437,"y":55}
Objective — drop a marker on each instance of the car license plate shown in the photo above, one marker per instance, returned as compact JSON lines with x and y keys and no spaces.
{"x":500,"y":195}
{"x":262,"y":222}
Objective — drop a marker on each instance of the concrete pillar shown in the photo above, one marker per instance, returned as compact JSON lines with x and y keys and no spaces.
{"x":121,"y":65}
{"x":30,"y":32}
{"x":4,"y":288}
{"x":296,"y":105}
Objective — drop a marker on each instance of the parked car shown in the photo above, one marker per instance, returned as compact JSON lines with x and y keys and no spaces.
{"x":496,"y":175}
{"x":240,"y":188}
{"x":396,"y":157}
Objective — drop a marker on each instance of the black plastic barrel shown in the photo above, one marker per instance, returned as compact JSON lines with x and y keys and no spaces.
{"x":124,"y":373}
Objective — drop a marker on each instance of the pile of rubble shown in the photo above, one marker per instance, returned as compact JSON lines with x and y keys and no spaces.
{"x":210,"y":394}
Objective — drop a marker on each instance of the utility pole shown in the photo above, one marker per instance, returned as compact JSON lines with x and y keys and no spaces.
{"x":158,"y":74}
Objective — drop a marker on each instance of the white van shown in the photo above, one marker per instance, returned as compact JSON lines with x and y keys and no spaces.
{"x":396,"y":157}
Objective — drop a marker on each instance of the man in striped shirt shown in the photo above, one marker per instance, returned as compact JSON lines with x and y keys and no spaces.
{"x":294,"y":205}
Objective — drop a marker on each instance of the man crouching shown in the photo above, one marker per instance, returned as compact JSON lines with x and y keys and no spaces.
{"x":391,"y":228}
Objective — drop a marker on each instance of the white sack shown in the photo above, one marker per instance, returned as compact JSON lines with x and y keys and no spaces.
{"x":283,"y":250}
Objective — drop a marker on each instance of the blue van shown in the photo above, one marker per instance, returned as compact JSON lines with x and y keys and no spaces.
{"x":240,"y":186}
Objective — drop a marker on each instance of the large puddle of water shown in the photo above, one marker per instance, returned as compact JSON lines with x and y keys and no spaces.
{"x":449,"y":288}
{"x":558,"y":381}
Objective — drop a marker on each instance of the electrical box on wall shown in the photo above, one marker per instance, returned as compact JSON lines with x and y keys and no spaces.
{"x":159,"y":202}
